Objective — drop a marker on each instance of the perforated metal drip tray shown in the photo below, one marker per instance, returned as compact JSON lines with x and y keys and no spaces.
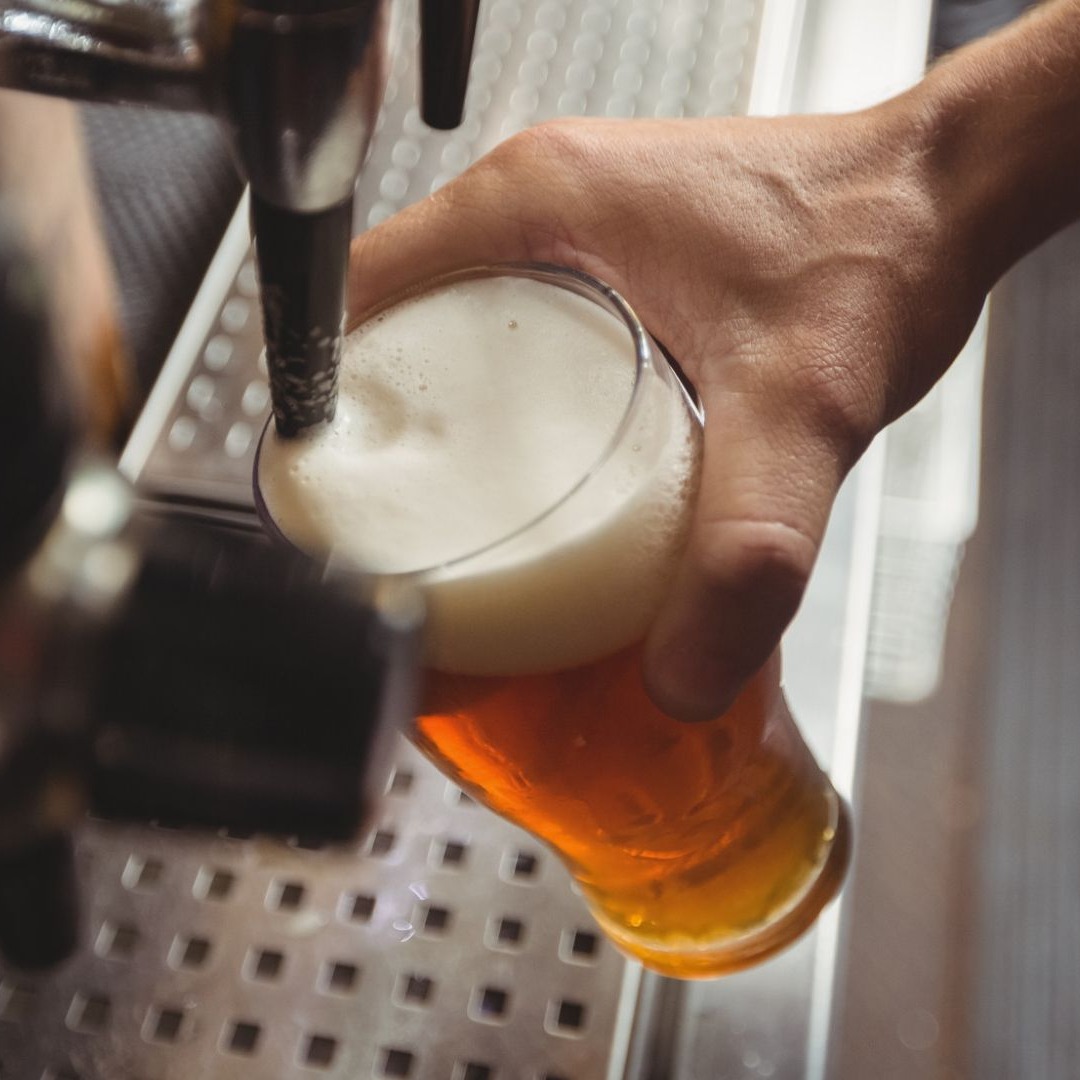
{"x":447,"y":945}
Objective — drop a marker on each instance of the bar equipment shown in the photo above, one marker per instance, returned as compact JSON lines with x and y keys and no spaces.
{"x":443,"y":943}
{"x":149,"y":672}
{"x":297,"y":85}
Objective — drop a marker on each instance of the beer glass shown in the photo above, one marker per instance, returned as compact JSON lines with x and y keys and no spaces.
{"x":700,"y":848}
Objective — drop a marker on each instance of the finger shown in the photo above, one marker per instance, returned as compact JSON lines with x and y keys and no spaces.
{"x":768,"y":483}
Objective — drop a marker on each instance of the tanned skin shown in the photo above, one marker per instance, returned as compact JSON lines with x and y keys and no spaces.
{"x":814,"y":276}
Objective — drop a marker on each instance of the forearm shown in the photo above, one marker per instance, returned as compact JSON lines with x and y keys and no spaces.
{"x":1001,"y":127}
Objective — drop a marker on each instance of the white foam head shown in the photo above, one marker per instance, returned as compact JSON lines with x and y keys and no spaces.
{"x":490,"y":437}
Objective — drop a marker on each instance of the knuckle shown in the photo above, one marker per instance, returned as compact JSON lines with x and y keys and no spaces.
{"x":551,"y":147}
{"x":768,"y":557}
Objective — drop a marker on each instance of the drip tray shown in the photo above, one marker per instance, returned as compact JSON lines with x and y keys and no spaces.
{"x":447,"y":945}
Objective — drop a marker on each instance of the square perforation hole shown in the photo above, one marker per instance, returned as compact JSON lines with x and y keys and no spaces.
{"x":142,"y":873}
{"x":189,"y":952}
{"x":89,"y":1012}
{"x":163,"y":1024}
{"x":434,"y":919}
{"x":381,"y":843}
{"x":264,"y":965}
{"x":456,"y":797}
{"x":489,"y":1005}
{"x":401,"y":782}
{"x":505,"y":932}
{"x":473,"y":1070}
{"x":414,"y":990}
{"x":357,"y":907}
{"x":520,"y":866}
{"x":213,"y":883}
{"x":16,"y":1002}
{"x":339,"y":977}
{"x":566,"y":1017}
{"x":395,"y":1063}
{"x":116,"y":941}
{"x":318,"y":1051}
{"x":449,"y":853}
{"x":308,"y":843}
{"x":241,"y":1037}
{"x":285,"y":895}
{"x":579,"y":946}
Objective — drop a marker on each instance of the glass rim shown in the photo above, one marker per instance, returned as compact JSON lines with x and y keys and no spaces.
{"x":565,"y":277}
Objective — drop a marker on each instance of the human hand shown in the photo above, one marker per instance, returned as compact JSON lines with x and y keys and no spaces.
{"x":794,"y":269}
{"x":813,"y":276}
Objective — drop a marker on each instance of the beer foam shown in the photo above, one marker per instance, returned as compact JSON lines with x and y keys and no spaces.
{"x":465,"y":415}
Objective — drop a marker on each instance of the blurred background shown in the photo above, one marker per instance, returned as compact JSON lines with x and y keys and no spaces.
{"x":963,"y":955}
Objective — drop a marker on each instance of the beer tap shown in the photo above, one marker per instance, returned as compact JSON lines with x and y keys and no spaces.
{"x":175,"y":673}
{"x":297,"y":85}
{"x":169,"y":687}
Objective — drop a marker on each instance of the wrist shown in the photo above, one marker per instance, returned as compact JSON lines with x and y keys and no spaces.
{"x":997,"y":130}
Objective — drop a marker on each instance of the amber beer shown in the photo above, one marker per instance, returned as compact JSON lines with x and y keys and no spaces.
{"x":512,"y":440}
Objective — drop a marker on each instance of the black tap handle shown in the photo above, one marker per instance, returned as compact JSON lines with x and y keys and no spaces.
{"x":238,"y":688}
{"x":37,"y":424}
{"x":447,"y":29}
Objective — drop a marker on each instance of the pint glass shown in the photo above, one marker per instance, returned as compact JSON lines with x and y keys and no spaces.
{"x":700,"y":848}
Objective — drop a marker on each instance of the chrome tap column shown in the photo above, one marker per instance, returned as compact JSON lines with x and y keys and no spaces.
{"x":298,"y":85}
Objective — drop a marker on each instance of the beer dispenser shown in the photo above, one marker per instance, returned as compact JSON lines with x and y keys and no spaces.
{"x":172,"y":672}
{"x":162,"y":672}
{"x":297,"y":85}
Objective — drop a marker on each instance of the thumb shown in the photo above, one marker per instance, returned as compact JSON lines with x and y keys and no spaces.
{"x":767,"y":486}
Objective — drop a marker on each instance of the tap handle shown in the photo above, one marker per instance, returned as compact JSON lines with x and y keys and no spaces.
{"x":37,"y":423}
{"x":447,"y":29}
{"x":242,"y":685}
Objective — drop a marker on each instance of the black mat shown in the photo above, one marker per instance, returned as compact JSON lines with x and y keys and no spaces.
{"x":167,"y":189}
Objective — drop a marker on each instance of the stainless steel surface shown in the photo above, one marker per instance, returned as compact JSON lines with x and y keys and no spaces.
{"x":963,"y":949}
{"x":301,"y":94}
{"x":1024,"y":990}
{"x":155,"y":53}
{"x":446,"y":944}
